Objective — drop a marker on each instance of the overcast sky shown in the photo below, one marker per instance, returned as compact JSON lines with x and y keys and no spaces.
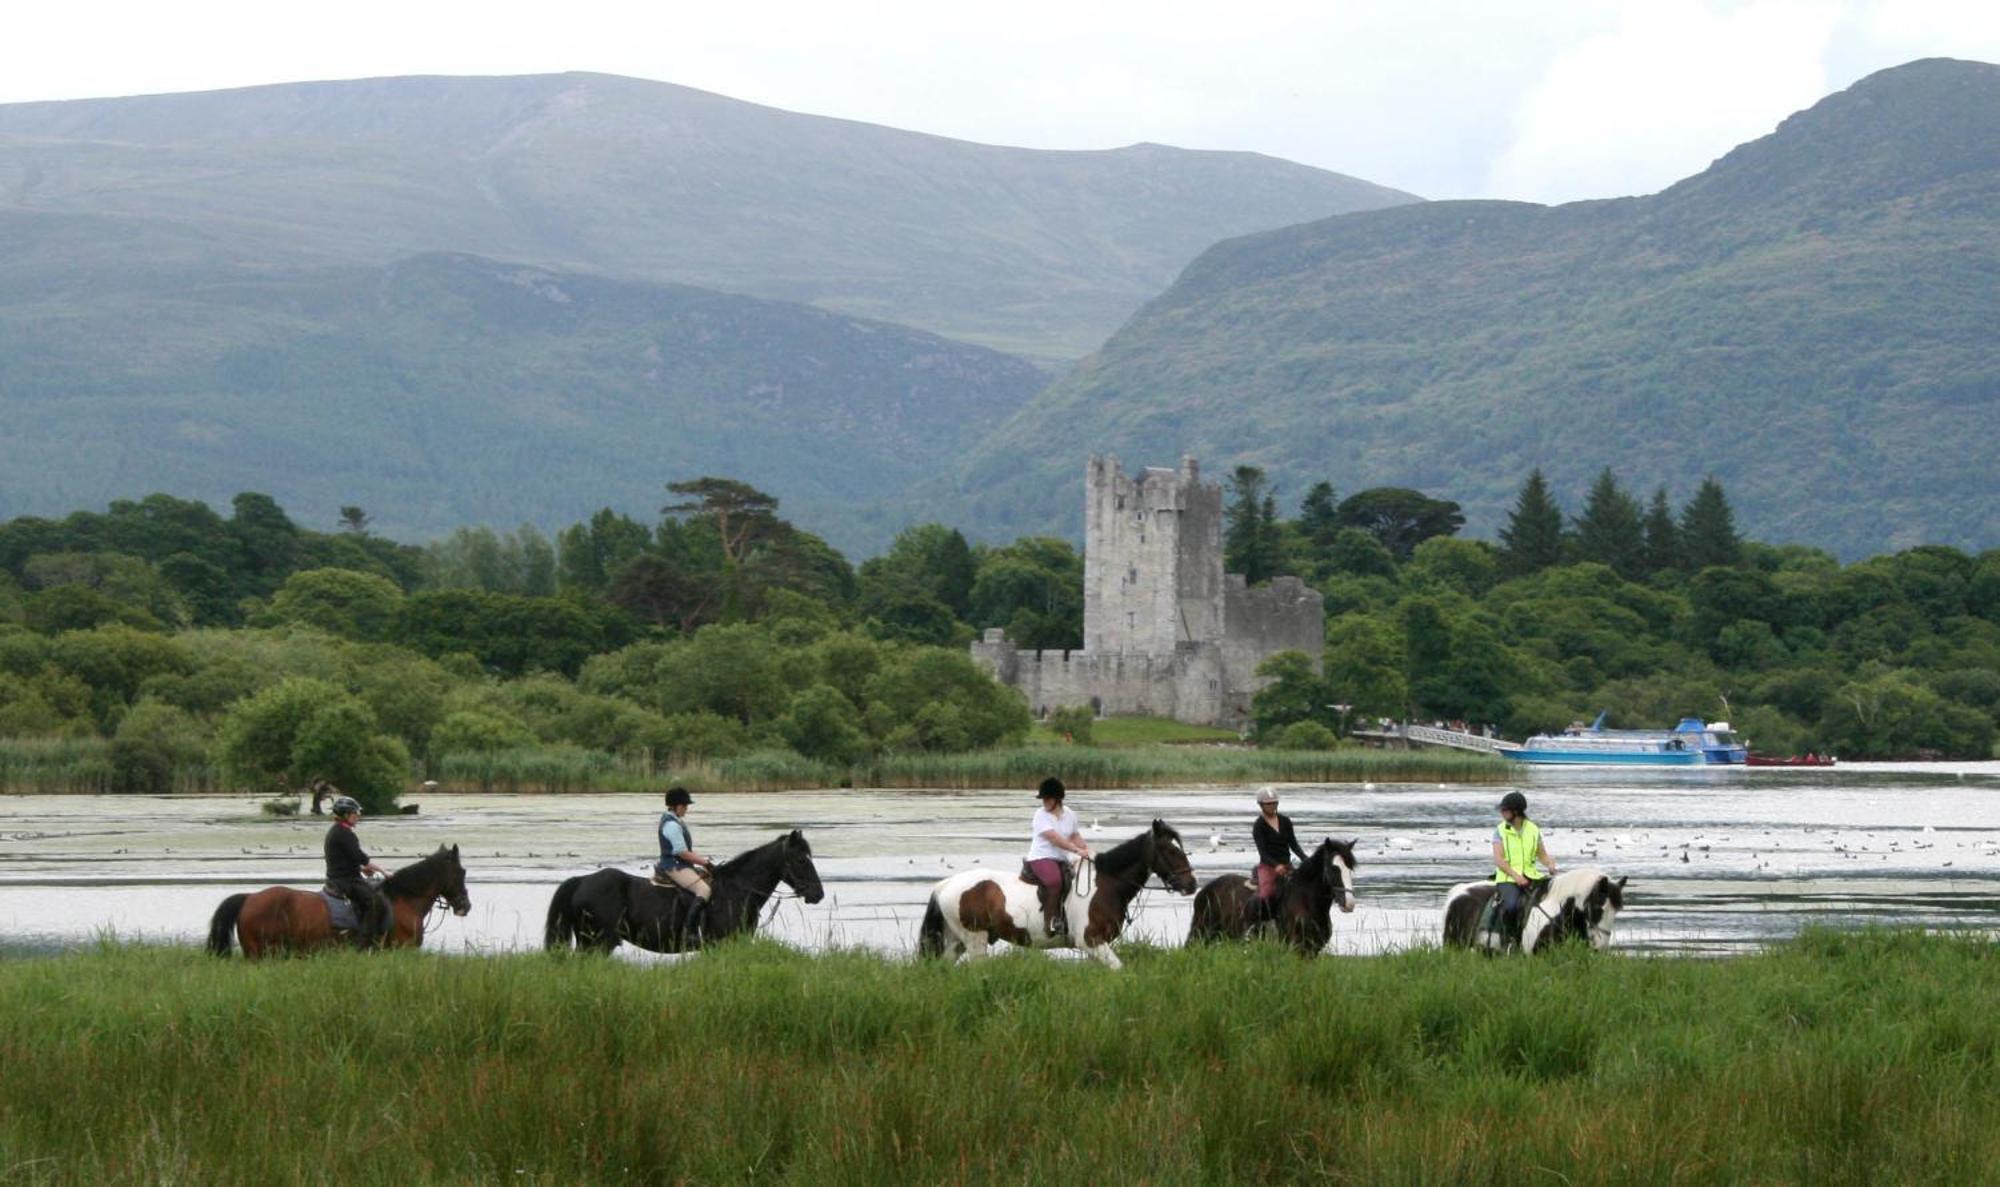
{"x":1547,"y":100}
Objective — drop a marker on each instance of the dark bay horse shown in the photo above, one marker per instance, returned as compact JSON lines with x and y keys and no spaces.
{"x":970,"y":910}
{"x":1575,"y":905}
{"x":281,"y":919}
{"x":596,"y":911}
{"x":1304,"y":913}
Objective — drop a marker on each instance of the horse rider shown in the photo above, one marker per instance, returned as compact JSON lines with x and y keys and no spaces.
{"x":680,"y":863}
{"x":1276,"y":843}
{"x":1056,"y":843}
{"x":348,"y":869}
{"x":1521,"y":862}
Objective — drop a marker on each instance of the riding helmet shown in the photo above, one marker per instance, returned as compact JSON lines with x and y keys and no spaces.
{"x":1267,"y":794}
{"x":678,"y":795}
{"x":344,"y":804}
{"x":1514,"y":801}
{"x":1051,"y":786}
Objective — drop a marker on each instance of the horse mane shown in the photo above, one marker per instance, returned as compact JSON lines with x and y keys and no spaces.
{"x":1571,"y":885}
{"x":734,"y":864}
{"x":1126,"y":854}
{"x":412,"y":878}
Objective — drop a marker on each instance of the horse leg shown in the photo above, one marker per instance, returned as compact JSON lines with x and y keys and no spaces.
{"x":974,"y":946}
{"x":1104,"y":955}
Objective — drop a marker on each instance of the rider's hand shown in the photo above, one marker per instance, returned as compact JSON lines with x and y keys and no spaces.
{"x":1521,"y":880}
{"x":1285,"y":869}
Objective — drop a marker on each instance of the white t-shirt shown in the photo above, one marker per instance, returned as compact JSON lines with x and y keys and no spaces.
{"x":1063,"y":825}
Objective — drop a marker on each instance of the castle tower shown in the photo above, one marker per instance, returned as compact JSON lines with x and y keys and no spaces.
{"x":1152,"y":573}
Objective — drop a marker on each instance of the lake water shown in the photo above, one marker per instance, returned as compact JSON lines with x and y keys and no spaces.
{"x":1718,"y":860}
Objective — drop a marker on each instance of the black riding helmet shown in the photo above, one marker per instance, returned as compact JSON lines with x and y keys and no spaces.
{"x":1051,"y":786}
{"x":679,"y":795}
{"x":1514,"y":801}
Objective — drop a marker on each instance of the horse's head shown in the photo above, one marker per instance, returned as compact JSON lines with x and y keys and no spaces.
{"x":798,"y":872}
{"x":1600,"y":908}
{"x":1336,"y":868}
{"x":453,"y":889}
{"x":1167,"y":857}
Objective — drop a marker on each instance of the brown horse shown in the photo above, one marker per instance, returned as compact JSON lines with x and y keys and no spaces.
{"x":280,"y":919}
{"x":1303,"y":915}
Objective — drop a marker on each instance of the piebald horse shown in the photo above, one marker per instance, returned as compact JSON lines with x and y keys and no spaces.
{"x":1578,"y":905}
{"x":281,"y":919}
{"x":970,"y":910}
{"x":1304,"y":913}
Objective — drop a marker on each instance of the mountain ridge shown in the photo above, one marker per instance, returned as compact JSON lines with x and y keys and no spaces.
{"x":1826,"y":321}
{"x":1040,"y":252}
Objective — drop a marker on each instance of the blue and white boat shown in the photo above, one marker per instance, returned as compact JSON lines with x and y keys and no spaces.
{"x":1692,"y":743}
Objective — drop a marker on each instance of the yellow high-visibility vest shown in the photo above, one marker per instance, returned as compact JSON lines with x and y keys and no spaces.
{"x":1523,"y":847}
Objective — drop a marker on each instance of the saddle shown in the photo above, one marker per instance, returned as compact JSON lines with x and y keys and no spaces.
{"x":1489,"y":915}
{"x":1052,"y":904}
{"x":339,"y":910}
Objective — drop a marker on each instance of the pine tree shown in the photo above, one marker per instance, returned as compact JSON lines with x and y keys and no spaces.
{"x":1243,"y":547}
{"x":1708,"y":529}
{"x":1609,"y":531}
{"x":1270,"y":541}
{"x":1663,"y":535}
{"x":1319,"y":519}
{"x":1533,"y":537}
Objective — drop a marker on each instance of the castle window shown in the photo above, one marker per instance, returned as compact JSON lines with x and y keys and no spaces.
{"x":1121,"y":502}
{"x":1131,"y":618}
{"x":1132,"y":575}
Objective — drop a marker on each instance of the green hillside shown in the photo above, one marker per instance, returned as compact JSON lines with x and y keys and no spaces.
{"x":1812,"y":319}
{"x":444,"y":390}
{"x":1039,"y":253}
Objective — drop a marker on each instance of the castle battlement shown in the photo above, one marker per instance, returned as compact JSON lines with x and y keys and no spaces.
{"x":1166,"y":633}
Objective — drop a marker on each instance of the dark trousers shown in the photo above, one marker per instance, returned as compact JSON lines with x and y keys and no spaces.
{"x":1513,"y":906}
{"x":371,"y":910}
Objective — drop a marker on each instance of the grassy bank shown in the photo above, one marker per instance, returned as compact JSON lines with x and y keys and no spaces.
{"x":1836,"y":1059}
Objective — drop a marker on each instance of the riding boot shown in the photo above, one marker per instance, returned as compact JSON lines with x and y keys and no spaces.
{"x":1052,"y":913}
{"x":692,"y":936}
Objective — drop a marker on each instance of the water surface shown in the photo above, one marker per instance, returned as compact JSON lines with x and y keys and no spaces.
{"x":1718,"y":860}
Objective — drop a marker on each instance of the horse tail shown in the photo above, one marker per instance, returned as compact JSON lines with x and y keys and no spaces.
{"x":930,"y":934}
{"x":560,"y":930}
{"x":222,"y":925}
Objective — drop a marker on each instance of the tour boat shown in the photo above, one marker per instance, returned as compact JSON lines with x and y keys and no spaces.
{"x":1692,"y":743}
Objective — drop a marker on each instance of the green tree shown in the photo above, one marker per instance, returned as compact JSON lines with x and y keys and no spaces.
{"x":307,"y":729}
{"x":1532,"y":540}
{"x":1610,"y":532}
{"x":820,"y":723}
{"x":1364,"y":667}
{"x":338,"y":601}
{"x":1294,"y":693}
{"x":1319,"y":515}
{"x":1662,"y":552}
{"x":154,"y":744}
{"x":1708,"y":529}
{"x":1400,"y":518}
{"x":1249,"y":538}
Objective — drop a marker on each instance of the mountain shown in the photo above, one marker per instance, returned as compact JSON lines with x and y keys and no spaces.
{"x":443,"y":390}
{"x":1036,"y":252}
{"x":1812,"y":319}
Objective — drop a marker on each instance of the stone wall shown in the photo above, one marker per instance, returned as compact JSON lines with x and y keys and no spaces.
{"x":1286,"y":615}
{"x":1185,"y":684}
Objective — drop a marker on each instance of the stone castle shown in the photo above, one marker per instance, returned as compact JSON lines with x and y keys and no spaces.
{"x":1166,"y":633}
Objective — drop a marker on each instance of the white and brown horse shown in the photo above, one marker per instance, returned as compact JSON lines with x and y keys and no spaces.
{"x":1578,"y":905}
{"x":969,"y":911}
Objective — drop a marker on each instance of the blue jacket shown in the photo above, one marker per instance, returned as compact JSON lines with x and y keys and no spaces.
{"x":675,"y":837}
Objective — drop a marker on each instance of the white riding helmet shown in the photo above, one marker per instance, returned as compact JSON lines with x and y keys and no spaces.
{"x":1267,"y":794}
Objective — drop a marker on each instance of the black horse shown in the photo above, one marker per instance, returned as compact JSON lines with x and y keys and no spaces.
{"x":596,"y":911}
{"x":1303,"y":914}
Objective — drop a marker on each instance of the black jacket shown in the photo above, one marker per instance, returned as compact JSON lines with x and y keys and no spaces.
{"x":344,"y":857}
{"x":1272,"y":843}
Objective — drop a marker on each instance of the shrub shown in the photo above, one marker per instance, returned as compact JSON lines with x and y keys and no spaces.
{"x":1305,"y":735}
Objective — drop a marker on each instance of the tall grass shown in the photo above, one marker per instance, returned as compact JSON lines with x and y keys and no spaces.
{"x":1837,"y":1059}
{"x":562,"y":770}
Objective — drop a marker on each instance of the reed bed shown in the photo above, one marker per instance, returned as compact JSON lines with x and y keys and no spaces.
{"x":1079,"y":766}
{"x":1860,"y":1058}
